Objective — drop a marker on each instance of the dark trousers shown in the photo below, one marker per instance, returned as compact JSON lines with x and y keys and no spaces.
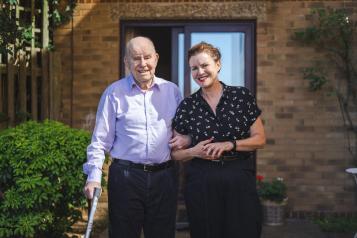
{"x":140,"y":200}
{"x":222,"y":201}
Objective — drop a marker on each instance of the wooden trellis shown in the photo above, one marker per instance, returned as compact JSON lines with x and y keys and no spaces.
{"x":28,"y":79}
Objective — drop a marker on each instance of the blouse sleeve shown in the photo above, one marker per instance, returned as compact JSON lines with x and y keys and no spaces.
{"x":180,"y":121}
{"x":251,"y":108}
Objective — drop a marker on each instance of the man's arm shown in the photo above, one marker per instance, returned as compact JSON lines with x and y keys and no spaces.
{"x":102,"y":141}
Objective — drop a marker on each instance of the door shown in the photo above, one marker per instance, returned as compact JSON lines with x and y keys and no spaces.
{"x":236,"y":41}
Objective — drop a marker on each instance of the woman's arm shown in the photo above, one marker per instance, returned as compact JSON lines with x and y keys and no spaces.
{"x":182,"y":154}
{"x":190,"y":153}
{"x":255,"y":141}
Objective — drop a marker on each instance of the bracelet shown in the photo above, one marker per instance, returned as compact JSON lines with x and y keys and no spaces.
{"x":234,"y":142}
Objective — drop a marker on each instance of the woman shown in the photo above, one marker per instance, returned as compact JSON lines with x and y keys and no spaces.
{"x":225,"y":127}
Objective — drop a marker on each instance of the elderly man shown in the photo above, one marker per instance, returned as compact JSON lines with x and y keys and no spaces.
{"x":133,"y":124}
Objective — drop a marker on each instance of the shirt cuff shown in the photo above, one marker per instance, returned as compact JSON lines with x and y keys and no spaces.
{"x":95,"y":176}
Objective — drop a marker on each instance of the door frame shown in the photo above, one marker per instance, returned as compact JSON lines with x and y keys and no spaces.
{"x":246,"y":26}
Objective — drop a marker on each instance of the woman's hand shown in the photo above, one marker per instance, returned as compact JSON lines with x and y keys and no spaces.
{"x":190,"y":153}
{"x":200,"y":151}
{"x":216,"y":149}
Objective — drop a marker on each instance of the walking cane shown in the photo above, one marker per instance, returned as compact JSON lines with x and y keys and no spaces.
{"x":97,"y":192}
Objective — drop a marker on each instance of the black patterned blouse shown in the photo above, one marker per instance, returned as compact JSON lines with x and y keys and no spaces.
{"x":235,"y":113}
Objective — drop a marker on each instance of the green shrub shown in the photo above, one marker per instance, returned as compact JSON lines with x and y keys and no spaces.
{"x":41,"y":179}
{"x":337,"y":224}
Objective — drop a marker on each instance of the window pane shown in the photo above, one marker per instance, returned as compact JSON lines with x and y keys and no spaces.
{"x":181,"y":55}
{"x":231,"y":45}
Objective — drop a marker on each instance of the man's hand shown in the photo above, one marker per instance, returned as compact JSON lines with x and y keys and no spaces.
{"x":89,"y":189}
{"x":179,"y":141}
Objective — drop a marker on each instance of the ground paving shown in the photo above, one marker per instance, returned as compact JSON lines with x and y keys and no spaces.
{"x":291,"y":229}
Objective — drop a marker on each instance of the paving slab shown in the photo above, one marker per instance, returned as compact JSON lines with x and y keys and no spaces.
{"x":293,"y":228}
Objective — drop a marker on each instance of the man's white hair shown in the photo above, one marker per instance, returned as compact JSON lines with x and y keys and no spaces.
{"x":131,"y":42}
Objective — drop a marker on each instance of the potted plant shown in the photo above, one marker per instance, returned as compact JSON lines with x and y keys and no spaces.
{"x":274,"y":199}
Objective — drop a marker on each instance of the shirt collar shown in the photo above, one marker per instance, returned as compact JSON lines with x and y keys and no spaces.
{"x":225,"y":91}
{"x":156,"y":82}
{"x":198,"y":94}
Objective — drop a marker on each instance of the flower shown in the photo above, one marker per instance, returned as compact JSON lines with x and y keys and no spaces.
{"x":260,"y":178}
{"x":274,"y":190}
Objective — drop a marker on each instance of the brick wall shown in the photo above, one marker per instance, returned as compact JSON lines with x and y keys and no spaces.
{"x":306,"y":139}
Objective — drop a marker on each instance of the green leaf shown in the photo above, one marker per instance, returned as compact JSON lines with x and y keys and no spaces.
{"x":41,"y":178}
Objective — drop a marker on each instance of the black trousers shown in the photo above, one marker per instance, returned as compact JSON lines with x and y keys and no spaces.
{"x":222,"y":201}
{"x":140,"y":200}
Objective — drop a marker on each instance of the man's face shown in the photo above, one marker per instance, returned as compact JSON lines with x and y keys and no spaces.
{"x":142,"y":61}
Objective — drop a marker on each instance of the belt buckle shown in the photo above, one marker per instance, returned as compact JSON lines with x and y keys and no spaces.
{"x":146,"y":168}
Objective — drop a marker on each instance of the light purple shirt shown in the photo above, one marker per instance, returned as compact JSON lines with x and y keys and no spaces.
{"x":132,"y":124}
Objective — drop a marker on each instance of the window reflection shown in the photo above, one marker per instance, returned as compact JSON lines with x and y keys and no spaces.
{"x":231,"y":45}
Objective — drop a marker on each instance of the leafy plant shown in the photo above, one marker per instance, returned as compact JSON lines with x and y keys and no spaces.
{"x":12,"y":36}
{"x":315,"y":76}
{"x":61,"y":12}
{"x":337,"y":224}
{"x":41,"y":179}
{"x":332,"y":32}
{"x":15,"y":37}
{"x":274,"y":190}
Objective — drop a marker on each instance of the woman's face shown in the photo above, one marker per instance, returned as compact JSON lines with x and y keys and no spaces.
{"x":204,"y":69}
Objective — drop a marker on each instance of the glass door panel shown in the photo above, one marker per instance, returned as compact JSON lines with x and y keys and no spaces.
{"x":181,"y":62}
{"x":231,"y":46}
{"x":236,"y":43}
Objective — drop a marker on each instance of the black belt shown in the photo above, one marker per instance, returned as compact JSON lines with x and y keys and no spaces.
{"x":144,"y":167}
{"x":236,"y":161}
{"x":222,"y":160}
{"x":225,"y":158}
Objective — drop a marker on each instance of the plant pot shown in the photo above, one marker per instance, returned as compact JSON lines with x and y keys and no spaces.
{"x":274,"y":212}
